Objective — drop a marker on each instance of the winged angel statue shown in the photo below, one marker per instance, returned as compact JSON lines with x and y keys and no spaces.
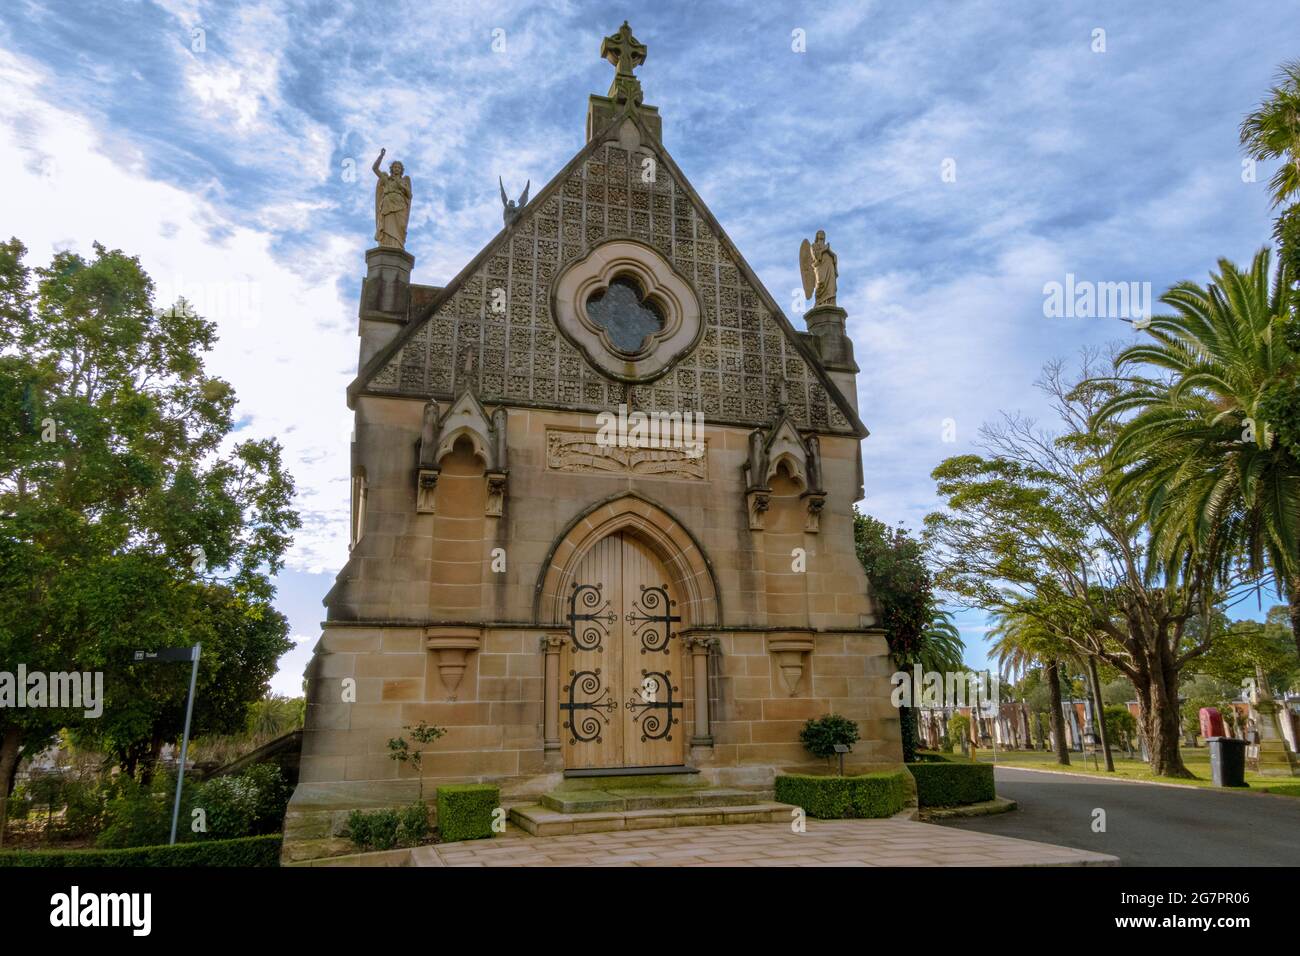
{"x":512,"y":210}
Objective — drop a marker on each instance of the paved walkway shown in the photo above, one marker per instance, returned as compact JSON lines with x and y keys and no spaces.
{"x":1146,"y":825}
{"x":826,"y":843}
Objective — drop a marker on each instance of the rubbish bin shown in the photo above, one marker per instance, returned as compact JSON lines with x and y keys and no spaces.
{"x":1227,"y":761}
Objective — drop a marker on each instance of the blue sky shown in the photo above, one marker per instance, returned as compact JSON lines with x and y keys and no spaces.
{"x":228,"y":145}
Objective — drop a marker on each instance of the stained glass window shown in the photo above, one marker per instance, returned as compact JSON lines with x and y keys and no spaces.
{"x":625,"y":315}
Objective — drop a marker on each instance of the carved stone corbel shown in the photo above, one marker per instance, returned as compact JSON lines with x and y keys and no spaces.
{"x":815,"y":501}
{"x":499,"y":470}
{"x":451,"y":646}
{"x":815,"y":496}
{"x":426,"y":485}
{"x":496,"y":494}
{"x":789,"y":650}
{"x":757,"y":501}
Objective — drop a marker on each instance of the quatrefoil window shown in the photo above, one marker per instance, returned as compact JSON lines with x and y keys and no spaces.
{"x":627,"y":315}
{"x":627,"y":309}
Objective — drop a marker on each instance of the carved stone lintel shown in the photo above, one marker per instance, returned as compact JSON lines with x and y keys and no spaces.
{"x":816,"y":502}
{"x":425,"y":487}
{"x":757,"y":499}
{"x":789,"y":651}
{"x":451,"y":646}
{"x":582,"y":452}
{"x":496,"y":494}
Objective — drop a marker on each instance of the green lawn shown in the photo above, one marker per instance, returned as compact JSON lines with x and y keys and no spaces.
{"x":1197,"y":760}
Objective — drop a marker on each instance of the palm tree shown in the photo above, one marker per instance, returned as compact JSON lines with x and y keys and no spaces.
{"x":1214,"y":478}
{"x":940,"y":648}
{"x":1273,"y":132}
{"x":1021,"y":643}
{"x":274,"y":715}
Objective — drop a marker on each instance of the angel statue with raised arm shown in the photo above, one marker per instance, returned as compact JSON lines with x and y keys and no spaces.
{"x":512,"y":210}
{"x":819,"y":268}
{"x":392,"y":203}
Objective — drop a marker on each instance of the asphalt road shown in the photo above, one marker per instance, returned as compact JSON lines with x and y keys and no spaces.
{"x":1147,"y":825}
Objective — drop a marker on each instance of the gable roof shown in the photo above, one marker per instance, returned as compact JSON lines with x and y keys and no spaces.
{"x":396,"y":368}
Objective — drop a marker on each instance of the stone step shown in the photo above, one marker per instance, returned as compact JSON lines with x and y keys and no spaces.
{"x":627,"y":781}
{"x":645,"y":798}
{"x":543,"y":821}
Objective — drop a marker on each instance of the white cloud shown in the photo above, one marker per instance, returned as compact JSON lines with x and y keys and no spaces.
{"x":286,"y":336}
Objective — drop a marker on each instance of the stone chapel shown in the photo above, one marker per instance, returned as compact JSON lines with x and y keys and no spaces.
{"x":569,"y":597}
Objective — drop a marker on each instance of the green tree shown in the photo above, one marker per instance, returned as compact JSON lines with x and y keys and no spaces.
{"x":1249,"y":644}
{"x":1273,"y":132}
{"x":1214,"y":479}
{"x":127,"y":520}
{"x":1037,"y":524}
{"x":917,"y":630}
{"x":1120,"y":725}
{"x":275,"y":715}
{"x":1022,"y":642}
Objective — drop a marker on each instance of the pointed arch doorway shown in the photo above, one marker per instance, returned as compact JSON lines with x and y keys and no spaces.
{"x":621,"y":692}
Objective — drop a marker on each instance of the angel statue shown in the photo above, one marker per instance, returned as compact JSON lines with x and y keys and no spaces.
{"x":392,"y":203}
{"x":819,"y":268}
{"x":513,"y":210}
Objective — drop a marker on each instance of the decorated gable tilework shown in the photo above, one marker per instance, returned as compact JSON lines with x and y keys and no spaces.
{"x":517,"y":353}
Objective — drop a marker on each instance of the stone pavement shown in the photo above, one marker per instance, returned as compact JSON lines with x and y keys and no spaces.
{"x":826,"y":843}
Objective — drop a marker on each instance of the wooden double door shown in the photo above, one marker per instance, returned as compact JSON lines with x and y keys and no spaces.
{"x":621,"y":684}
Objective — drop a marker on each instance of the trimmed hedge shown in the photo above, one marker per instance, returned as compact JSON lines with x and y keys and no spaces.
{"x":465,"y":811}
{"x":243,"y":851}
{"x":879,"y":794}
{"x":951,"y":784}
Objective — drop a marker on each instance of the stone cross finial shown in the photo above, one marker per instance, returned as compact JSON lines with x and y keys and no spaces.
{"x":626,"y":53}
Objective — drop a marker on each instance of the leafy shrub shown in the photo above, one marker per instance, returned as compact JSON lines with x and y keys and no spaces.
{"x":229,"y":805}
{"x":86,"y":804}
{"x":413,"y":824}
{"x":880,"y":794}
{"x":1120,"y":725}
{"x":44,"y":793}
{"x":249,"y":804}
{"x":952,"y":784}
{"x":821,"y":734}
{"x":20,"y":802}
{"x":387,"y":829}
{"x":358,"y":828}
{"x":273,"y":793}
{"x":958,"y":730}
{"x":248,"y":851}
{"x":138,"y":815}
{"x":374,"y":829}
{"x":925,"y":756}
{"x":465,"y":811}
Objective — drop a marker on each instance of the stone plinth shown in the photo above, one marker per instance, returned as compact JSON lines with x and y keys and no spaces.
{"x":827,"y":323}
{"x":385,"y":298}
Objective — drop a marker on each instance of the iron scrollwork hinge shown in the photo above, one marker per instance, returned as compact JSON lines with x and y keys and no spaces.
{"x":654,"y":630}
{"x":587,"y":728}
{"x":598,"y":618}
{"x":655,"y":716}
